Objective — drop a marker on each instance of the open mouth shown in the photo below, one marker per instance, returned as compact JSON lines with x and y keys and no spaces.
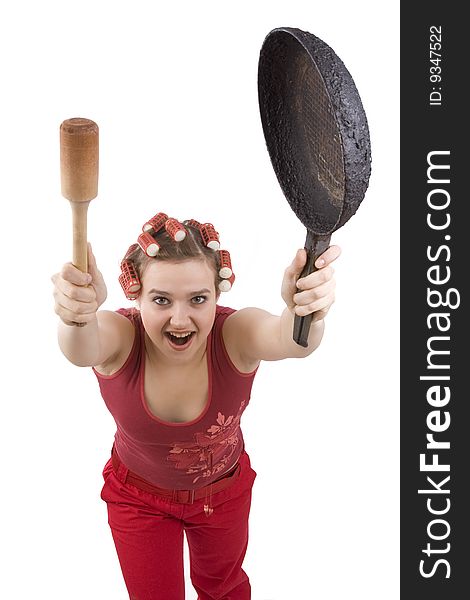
{"x":180,"y":340}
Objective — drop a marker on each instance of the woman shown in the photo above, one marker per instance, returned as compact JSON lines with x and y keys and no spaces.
{"x":176,"y":373}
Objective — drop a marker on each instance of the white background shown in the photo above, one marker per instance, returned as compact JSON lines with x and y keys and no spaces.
{"x":173,"y":88}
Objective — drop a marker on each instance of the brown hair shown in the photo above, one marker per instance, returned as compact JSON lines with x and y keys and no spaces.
{"x":191,"y":247}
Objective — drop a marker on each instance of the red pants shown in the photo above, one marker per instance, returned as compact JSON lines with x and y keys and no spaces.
{"x":148,"y":534}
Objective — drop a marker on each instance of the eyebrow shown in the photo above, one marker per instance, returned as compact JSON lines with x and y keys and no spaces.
{"x":163,"y":293}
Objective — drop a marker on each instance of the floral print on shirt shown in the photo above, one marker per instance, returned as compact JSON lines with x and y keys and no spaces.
{"x":212,"y":450}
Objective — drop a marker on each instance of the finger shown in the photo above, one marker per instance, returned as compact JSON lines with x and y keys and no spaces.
{"x":74,"y":292}
{"x":76,"y":306}
{"x":316,"y":278}
{"x":322,"y":304}
{"x":93,"y":267}
{"x":330,"y":255}
{"x":91,"y":257}
{"x":70,"y":273}
{"x":313,"y":294}
{"x":296,"y":266}
{"x":72,"y":323}
{"x":319,"y":315}
{"x":71,"y":316}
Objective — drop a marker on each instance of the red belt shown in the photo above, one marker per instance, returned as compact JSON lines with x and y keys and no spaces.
{"x":181,"y":496}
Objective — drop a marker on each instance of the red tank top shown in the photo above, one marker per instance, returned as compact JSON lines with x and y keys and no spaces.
{"x":178,"y":455}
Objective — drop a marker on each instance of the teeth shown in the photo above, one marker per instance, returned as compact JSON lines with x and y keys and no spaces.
{"x":180,"y":335}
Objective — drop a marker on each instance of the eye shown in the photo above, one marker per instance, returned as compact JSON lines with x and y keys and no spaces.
{"x":200,"y":299}
{"x":158,"y":298}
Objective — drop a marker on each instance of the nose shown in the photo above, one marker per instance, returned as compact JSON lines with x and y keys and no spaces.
{"x":179,"y":317}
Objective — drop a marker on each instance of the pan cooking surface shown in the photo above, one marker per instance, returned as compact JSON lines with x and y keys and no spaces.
{"x":315,"y":128}
{"x":320,"y":131}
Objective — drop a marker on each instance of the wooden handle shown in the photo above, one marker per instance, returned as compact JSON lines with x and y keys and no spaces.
{"x":314,"y":245}
{"x":79,"y":228}
{"x":79,"y":151}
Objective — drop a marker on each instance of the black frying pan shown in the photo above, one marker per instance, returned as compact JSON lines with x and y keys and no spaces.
{"x":317,"y":137}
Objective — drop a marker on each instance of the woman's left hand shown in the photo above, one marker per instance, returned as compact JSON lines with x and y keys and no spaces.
{"x":314,"y":293}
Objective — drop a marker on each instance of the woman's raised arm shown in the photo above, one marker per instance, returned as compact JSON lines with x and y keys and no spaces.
{"x":259,"y":335}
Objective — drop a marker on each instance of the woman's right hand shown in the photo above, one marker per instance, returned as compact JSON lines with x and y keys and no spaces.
{"x":79,"y":295}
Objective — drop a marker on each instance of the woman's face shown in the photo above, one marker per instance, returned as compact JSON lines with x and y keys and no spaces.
{"x":178,"y":298}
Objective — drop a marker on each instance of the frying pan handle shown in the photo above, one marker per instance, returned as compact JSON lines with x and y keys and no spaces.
{"x":314,"y":245}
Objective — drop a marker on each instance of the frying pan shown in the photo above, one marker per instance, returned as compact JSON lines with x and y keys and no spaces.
{"x":317,"y":137}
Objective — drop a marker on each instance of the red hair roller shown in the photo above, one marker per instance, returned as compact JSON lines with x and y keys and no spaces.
{"x":194,"y":224}
{"x":129,"y":280}
{"x":225,"y":270}
{"x":226,"y":284}
{"x":175,"y":230}
{"x":210,"y":237}
{"x":132,"y":248}
{"x":155,"y":223}
{"x":148,"y":244}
